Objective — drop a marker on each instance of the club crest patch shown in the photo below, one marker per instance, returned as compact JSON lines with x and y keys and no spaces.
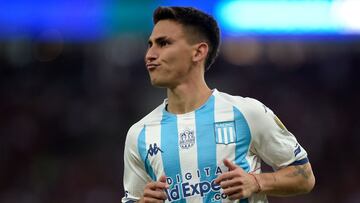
{"x":225,"y":132}
{"x":186,"y":139}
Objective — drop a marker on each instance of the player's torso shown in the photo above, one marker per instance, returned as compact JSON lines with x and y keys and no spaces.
{"x":189,"y":149}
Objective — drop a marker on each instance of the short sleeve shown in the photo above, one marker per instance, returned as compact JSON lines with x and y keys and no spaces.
{"x":135,"y":177}
{"x":271,"y":141}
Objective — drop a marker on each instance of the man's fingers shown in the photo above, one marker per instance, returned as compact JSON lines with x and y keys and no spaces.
{"x":236,"y":196}
{"x":234,"y":171}
{"x":154,"y":195}
{"x":230,"y":165}
{"x":232,"y":190}
{"x":155,"y":191}
{"x":157,"y":185}
{"x":162,"y":179}
{"x":224,"y":176}
{"x":230,"y":183}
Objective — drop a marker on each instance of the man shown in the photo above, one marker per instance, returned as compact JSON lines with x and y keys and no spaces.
{"x":202,"y":145}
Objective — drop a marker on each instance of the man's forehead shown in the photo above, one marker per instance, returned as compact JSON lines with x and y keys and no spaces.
{"x":166,"y":29}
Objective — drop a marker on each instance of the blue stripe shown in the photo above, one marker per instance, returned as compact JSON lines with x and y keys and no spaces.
{"x":299,"y":162}
{"x":206,"y":144}
{"x":243,"y":138}
{"x":144,"y":153}
{"x":170,"y":147}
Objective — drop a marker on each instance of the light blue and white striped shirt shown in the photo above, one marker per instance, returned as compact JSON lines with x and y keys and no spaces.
{"x":190,"y":148}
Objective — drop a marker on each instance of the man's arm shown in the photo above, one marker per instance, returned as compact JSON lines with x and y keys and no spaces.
{"x":135,"y":176}
{"x":291,"y":180}
{"x":155,"y":191}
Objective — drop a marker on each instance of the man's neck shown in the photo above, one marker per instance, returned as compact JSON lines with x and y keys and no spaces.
{"x":187,"y":97}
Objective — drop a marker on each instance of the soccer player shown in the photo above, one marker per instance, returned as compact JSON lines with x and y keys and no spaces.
{"x":200,"y":144}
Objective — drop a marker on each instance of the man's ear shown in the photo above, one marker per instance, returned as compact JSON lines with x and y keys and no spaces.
{"x":200,"y":52}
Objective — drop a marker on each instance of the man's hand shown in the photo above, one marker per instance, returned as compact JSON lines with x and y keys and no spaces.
{"x":154,"y":192}
{"x":236,"y":183}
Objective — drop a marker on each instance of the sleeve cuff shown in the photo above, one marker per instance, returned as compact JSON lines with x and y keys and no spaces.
{"x":299,"y":162}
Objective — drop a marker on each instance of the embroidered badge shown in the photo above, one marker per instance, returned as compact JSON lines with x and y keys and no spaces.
{"x":225,"y":132}
{"x":186,"y":139}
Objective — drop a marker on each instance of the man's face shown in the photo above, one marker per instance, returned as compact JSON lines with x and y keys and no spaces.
{"x":169,"y":55}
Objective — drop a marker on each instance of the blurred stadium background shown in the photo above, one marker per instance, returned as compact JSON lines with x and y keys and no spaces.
{"x":73,"y":80}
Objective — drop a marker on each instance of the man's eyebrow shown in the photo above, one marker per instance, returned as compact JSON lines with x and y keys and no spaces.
{"x":159,"y":39}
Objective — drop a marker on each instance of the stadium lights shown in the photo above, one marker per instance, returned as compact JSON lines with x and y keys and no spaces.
{"x":98,"y":19}
{"x":289,"y":17}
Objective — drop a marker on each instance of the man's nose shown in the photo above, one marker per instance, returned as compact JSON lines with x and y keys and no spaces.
{"x":151,"y":55}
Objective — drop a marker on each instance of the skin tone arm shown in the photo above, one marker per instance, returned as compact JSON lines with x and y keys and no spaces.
{"x":291,"y":180}
{"x":154,"y":192}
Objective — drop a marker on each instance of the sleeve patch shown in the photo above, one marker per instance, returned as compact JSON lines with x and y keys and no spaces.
{"x":297,"y":150}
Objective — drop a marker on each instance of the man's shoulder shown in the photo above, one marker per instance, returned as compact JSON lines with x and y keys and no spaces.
{"x":240,"y":101}
{"x":153,"y":117}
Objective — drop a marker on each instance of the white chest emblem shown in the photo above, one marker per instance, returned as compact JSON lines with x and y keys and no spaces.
{"x":186,"y":139}
{"x":225,"y":132}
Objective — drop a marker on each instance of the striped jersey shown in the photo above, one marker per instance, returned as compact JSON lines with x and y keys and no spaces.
{"x":189,"y":148}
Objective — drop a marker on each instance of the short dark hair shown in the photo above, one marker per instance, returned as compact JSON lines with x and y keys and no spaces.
{"x":202,"y":24}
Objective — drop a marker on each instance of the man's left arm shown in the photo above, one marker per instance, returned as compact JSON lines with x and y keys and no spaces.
{"x":278,"y":148}
{"x":288,"y":181}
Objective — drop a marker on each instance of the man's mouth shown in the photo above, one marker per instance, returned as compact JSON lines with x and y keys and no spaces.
{"x":151,"y":66}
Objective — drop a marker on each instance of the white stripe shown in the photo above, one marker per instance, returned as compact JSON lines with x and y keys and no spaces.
{"x":224,"y":113}
{"x":231,"y":134}
{"x":226,"y":140}
{"x":219,"y":134}
{"x":188,"y":157}
{"x":152,"y":136}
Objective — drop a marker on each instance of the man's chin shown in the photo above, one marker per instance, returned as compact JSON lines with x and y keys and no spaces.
{"x":160,"y":84}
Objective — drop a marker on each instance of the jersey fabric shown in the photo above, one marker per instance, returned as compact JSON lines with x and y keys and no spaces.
{"x":190,"y":148}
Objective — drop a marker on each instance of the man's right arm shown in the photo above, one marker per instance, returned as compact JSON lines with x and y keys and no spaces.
{"x":155,"y":191}
{"x":135,"y":177}
{"x":138,"y":185}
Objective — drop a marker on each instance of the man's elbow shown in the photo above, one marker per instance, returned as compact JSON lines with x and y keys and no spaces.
{"x":308,"y":184}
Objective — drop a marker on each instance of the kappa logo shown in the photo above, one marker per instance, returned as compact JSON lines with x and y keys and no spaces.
{"x":153,"y":150}
{"x":186,"y":139}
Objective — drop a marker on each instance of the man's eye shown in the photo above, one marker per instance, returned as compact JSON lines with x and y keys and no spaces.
{"x":163,"y":43}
